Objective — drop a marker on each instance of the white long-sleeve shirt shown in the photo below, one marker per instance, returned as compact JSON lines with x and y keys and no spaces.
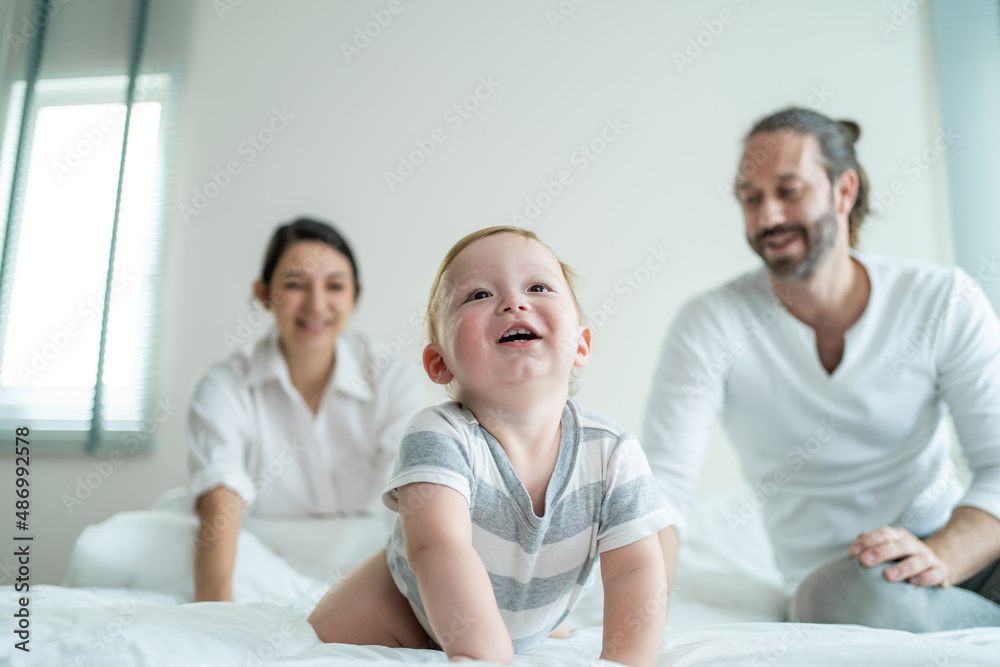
{"x":832,"y":455}
{"x":250,"y":430}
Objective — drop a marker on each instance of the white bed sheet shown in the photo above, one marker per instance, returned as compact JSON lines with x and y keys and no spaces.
{"x":116,"y":628}
{"x":727,"y":610}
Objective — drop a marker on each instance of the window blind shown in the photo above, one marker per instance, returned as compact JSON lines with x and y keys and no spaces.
{"x":88,"y":97}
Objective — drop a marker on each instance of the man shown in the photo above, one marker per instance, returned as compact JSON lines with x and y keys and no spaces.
{"x":832,"y":372}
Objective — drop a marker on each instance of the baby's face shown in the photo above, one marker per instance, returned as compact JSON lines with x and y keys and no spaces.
{"x":507,"y":317}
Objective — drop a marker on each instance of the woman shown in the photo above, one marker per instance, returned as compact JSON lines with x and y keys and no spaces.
{"x":308,"y":422}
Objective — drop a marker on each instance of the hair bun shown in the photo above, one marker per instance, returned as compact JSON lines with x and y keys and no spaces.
{"x":853,"y":129}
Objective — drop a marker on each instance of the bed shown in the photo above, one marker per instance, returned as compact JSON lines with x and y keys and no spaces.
{"x":727,"y":609}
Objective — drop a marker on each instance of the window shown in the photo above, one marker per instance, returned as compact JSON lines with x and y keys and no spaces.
{"x":58,"y":270}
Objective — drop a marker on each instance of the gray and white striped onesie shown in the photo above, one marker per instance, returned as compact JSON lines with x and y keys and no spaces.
{"x":601,"y":496}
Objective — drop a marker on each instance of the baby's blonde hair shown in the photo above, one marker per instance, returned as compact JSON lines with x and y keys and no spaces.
{"x":433,"y":303}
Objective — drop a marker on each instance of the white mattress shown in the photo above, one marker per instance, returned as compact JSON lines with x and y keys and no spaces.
{"x":726,"y":610}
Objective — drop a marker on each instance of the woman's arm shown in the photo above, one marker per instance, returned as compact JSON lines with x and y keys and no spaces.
{"x":220,"y":512}
{"x":402,"y":394}
{"x":454,"y":585}
{"x":635,"y":602}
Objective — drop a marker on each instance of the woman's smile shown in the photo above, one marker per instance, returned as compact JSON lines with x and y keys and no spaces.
{"x":313,"y":325}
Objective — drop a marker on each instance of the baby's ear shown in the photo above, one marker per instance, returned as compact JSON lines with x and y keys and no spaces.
{"x":583,"y":346}
{"x":434,"y":365}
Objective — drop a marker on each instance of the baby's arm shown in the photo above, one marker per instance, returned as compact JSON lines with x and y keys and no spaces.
{"x":635,"y":602}
{"x":454,"y":586}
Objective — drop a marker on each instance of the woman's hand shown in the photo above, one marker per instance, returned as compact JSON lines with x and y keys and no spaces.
{"x":918,"y":564}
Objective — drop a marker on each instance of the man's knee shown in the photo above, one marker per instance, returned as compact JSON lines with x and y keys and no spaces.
{"x":844,"y":591}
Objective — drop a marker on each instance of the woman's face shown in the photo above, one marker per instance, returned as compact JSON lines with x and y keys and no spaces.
{"x":312,"y":295}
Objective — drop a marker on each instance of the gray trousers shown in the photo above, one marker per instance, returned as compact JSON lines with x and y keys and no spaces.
{"x":845,"y":591}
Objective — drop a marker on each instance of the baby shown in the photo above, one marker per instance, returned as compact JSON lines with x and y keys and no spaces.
{"x":507,"y":496}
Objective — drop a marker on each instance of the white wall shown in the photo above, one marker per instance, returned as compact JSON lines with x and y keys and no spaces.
{"x":656,"y":185}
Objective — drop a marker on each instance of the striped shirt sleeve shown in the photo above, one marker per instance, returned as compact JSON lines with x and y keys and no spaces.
{"x":631,"y":508}
{"x":433,"y":450}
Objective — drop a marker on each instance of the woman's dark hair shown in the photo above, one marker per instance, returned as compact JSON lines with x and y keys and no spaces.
{"x":306,"y":229}
{"x":836,"y":141}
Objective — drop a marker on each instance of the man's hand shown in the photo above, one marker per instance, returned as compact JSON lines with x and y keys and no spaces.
{"x":918,"y":564}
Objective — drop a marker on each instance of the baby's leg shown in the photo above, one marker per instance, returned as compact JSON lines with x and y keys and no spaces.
{"x":367,"y":608}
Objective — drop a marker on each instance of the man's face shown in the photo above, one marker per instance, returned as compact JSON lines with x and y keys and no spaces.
{"x":788,"y":202}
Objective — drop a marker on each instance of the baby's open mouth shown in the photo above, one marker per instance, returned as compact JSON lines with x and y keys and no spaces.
{"x":517,"y":334}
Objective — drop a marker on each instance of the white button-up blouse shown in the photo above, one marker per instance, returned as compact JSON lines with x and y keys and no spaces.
{"x":250,"y":430}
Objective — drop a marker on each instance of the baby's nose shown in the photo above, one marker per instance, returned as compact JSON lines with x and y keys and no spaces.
{"x":514,"y":302}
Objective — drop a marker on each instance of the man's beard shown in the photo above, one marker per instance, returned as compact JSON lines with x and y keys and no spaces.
{"x":817,"y":245}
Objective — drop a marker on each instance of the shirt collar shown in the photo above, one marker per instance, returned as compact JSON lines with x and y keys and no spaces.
{"x":348,"y":374}
{"x":267,"y":363}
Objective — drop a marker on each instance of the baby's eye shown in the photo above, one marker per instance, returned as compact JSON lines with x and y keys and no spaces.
{"x":478,"y":294}
{"x":293,"y":285}
{"x":539,"y":287}
{"x":335,"y":287}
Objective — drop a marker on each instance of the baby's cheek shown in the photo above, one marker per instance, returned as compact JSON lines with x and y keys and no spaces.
{"x":569,"y":342}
